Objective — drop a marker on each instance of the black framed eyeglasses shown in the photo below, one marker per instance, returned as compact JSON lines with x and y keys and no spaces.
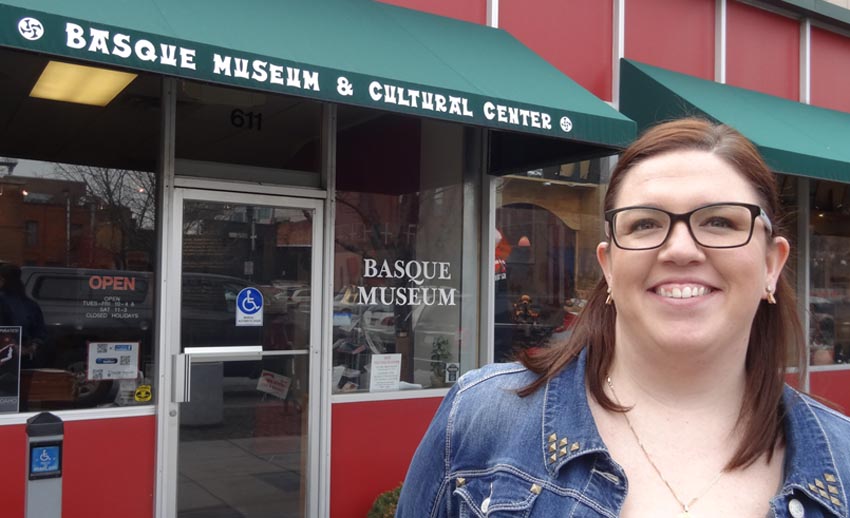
{"x":719,"y":225}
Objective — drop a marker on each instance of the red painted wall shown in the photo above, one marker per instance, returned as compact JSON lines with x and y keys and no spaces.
{"x":834,"y":387}
{"x":12,"y":483}
{"x":108,"y":468}
{"x":474,"y":11}
{"x":762,"y":51}
{"x":573,"y":35}
{"x":371,"y":447}
{"x":673,"y":34}
{"x":830,"y":55}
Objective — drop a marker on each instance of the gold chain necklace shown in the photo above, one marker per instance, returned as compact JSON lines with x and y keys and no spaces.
{"x":686,"y":507}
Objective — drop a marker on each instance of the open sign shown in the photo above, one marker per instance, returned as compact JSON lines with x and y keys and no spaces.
{"x":112,"y":282}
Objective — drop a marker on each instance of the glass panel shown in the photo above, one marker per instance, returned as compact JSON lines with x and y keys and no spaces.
{"x":243,"y":440}
{"x":788,"y":188}
{"x":249,"y":128}
{"x":829,"y":301}
{"x":548,"y":223}
{"x":228,"y":248}
{"x":78,"y":212}
{"x":398,"y":255}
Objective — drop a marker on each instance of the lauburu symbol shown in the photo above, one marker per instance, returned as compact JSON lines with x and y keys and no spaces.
{"x":30,"y":28}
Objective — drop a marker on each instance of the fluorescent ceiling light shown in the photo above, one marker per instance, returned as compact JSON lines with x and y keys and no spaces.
{"x":80,"y":84}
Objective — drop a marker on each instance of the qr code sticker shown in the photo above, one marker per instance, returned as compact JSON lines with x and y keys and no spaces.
{"x":124,"y":360}
{"x":97,"y":374}
{"x":102,"y":348}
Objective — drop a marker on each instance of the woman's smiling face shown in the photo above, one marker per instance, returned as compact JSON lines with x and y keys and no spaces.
{"x":682,"y":296}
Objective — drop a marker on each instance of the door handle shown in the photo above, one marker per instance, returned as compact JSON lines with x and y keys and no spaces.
{"x":181,"y":388}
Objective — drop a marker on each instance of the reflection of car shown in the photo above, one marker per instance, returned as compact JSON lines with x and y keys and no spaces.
{"x":87,"y":305}
{"x":379,"y":321}
{"x":286,"y":289}
{"x":90,"y":305}
{"x":299,"y":296}
{"x":209,"y":309}
{"x":362,"y":330}
{"x":274,"y":299}
{"x":346,"y":300}
{"x":287,"y":284}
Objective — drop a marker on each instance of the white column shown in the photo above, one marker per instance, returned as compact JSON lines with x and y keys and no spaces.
{"x":493,"y":13}
{"x":319,"y":463}
{"x":165,"y":485}
{"x":803,"y":209}
{"x":720,"y":41}
{"x":618,"y":49}
{"x":805,"y":61}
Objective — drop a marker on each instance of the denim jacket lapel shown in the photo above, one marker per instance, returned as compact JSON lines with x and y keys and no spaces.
{"x":810,"y":458}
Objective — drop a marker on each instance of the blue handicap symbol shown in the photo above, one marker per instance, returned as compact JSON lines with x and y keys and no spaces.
{"x":249,"y":301}
{"x":44,"y":459}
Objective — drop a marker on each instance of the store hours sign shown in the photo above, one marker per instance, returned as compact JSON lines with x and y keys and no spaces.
{"x":51,"y":34}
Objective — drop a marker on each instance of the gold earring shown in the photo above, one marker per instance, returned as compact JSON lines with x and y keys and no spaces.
{"x":770,"y":298}
{"x":610,"y":299}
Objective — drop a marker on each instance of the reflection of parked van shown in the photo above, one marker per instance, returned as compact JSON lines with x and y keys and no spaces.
{"x":87,"y":305}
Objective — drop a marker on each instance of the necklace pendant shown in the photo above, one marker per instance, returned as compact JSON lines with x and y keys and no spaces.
{"x":686,"y":514}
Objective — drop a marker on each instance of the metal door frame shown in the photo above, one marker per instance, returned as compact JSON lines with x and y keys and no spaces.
{"x":168,"y":415}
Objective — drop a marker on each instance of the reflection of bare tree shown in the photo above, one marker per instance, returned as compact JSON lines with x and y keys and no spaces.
{"x":124,"y":198}
{"x":390,"y":225}
{"x":385,"y":234}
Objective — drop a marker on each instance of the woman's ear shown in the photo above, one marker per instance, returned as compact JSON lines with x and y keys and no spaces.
{"x":777,"y":256}
{"x":603,"y":256}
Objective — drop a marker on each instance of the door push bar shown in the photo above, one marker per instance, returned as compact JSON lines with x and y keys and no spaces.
{"x":182,"y":368}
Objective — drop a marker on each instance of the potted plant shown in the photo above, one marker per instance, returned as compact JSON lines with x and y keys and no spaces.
{"x":385,"y":505}
{"x":440,"y":355}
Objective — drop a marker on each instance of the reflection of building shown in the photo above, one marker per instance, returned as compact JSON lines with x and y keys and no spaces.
{"x":51,"y":222}
{"x":43,"y":212}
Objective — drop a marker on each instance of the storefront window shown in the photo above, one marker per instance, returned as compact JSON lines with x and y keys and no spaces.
{"x":77,"y":242}
{"x":398,"y":253}
{"x":789,"y":187}
{"x":548,"y":223}
{"x":829,"y":300}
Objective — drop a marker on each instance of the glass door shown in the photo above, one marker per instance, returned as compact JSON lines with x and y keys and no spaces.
{"x":248,"y":328}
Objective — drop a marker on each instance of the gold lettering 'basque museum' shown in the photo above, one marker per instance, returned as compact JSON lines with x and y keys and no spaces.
{"x":253,"y":231}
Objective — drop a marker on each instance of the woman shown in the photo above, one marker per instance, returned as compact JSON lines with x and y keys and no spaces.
{"x":668,"y":399}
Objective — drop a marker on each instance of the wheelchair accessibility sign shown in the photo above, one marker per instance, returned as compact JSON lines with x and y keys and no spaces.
{"x":249,"y":307}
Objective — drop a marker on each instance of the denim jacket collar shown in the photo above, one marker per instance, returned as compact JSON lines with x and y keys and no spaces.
{"x":569,"y":432}
{"x":810,"y":464}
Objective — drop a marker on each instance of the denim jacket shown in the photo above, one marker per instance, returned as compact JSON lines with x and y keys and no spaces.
{"x":490,"y":453}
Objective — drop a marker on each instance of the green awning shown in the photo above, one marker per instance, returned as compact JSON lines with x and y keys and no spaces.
{"x":793,"y":137}
{"x":346,"y":51}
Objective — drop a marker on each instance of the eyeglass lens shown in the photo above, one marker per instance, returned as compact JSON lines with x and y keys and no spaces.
{"x":713,"y":226}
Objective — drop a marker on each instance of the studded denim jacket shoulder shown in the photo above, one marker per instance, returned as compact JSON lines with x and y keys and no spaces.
{"x":490,"y":453}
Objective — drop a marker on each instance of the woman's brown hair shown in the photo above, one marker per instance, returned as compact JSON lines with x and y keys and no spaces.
{"x":776,"y":332}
